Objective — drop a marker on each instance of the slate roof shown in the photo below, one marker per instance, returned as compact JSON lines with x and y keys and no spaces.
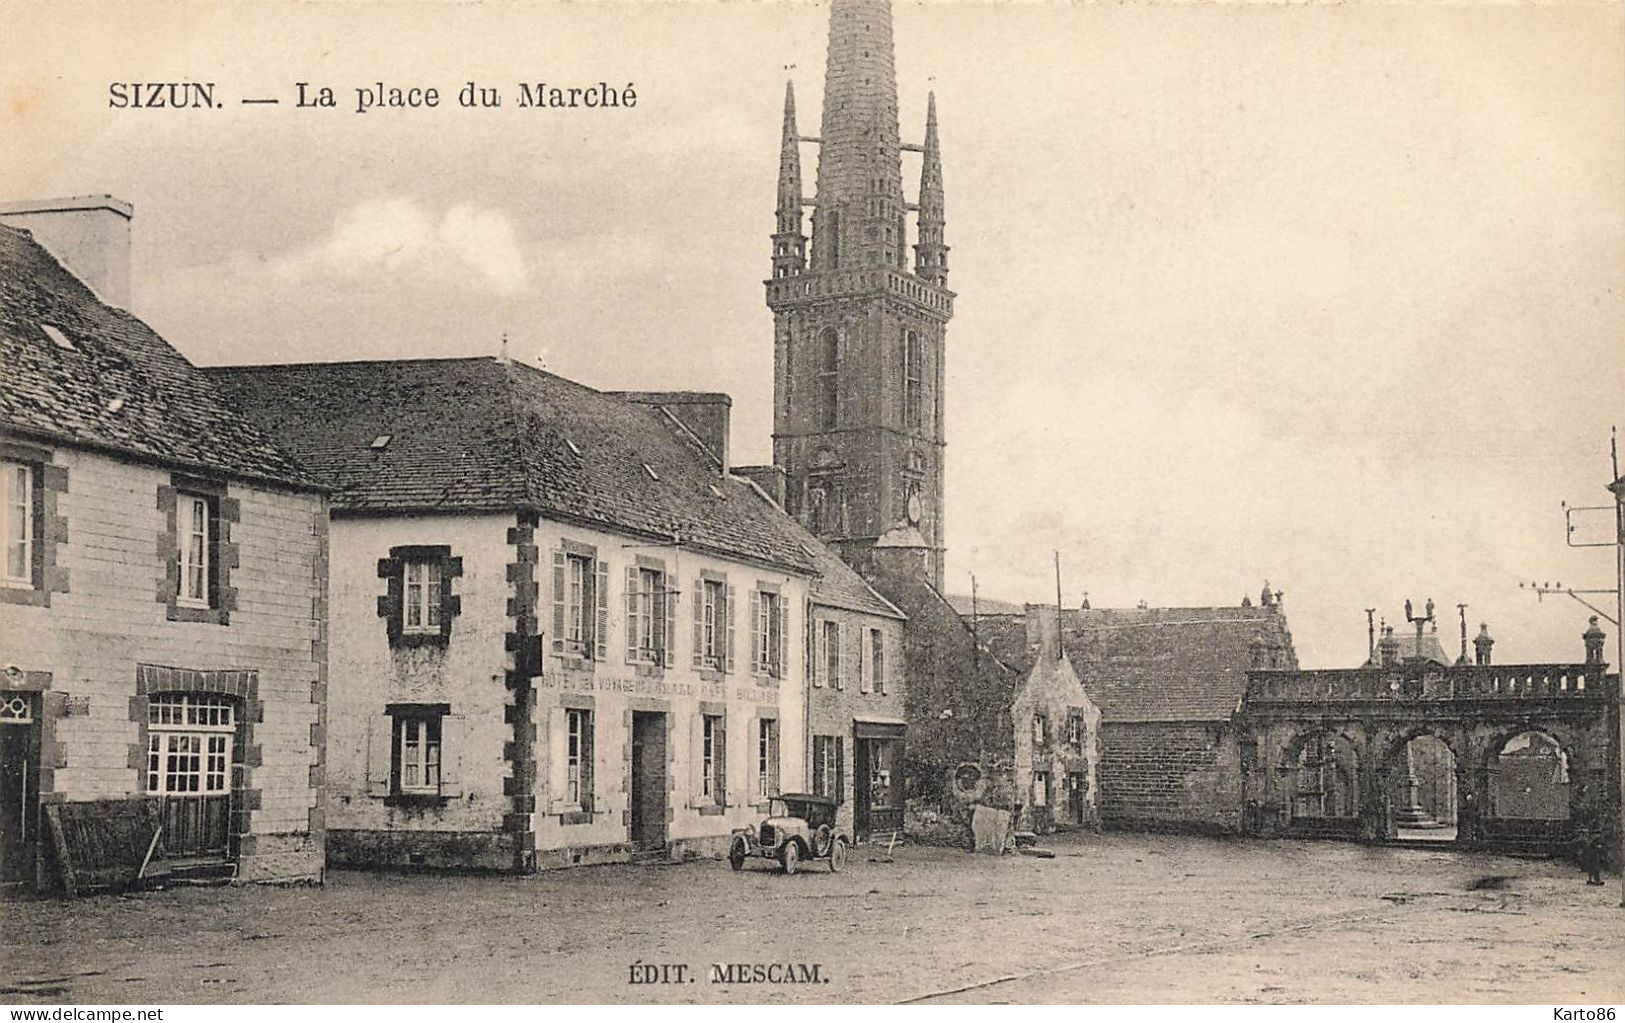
{"x":1156,"y":664}
{"x":838,"y":585}
{"x":963,"y":604}
{"x":484,"y":434}
{"x":121,"y":387}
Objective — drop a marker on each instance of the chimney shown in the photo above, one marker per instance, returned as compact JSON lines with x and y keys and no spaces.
{"x":704,"y":414}
{"x":1482,"y":643}
{"x":88,"y":234}
{"x":1387,"y":648}
{"x":1044,"y":630}
{"x":1594,"y":638}
{"x":772,"y":479}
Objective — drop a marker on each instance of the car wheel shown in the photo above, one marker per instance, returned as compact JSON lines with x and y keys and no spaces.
{"x":790,"y":856}
{"x":837,"y":856}
{"x":737,"y":853}
{"x":822,"y":839}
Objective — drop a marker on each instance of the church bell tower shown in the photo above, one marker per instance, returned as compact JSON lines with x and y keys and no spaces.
{"x":859,"y":332}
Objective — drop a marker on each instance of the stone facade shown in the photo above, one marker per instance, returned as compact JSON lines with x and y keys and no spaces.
{"x":857,"y":717}
{"x":99,"y":641}
{"x":1057,"y":730}
{"x":504,"y":798}
{"x":1170,"y":776}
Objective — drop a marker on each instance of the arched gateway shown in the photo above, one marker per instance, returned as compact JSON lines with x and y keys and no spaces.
{"x":1507,"y":756}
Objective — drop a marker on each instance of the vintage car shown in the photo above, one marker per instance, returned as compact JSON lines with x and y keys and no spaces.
{"x":798,"y":827}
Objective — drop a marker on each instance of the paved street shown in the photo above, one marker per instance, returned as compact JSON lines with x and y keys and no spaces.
{"x":1119,"y":918}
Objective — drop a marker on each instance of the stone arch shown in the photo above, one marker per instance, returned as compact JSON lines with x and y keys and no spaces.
{"x":1321,"y":768}
{"x":1428,"y":796}
{"x":1548,"y":791}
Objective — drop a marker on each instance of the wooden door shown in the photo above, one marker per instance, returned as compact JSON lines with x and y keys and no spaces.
{"x":19,"y":786}
{"x":648,"y":824}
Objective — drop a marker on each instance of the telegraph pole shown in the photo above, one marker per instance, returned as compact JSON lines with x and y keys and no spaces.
{"x":1618,"y":487}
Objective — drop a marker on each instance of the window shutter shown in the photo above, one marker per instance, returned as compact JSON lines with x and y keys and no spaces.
{"x":753,"y":773}
{"x":699,"y":622}
{"x":696,"y":760}
{"x":722,"y":762}
{"x":755,"y":632}
{"x":453,"y":741}
{"x":589,"y":760}
{"x":631,"y":615}
{"x":380,"y":754}
{"x":883,"y":676}
{"x":601,"y":629}
{"x":866,"y":664}
{"x":815,"y":665}
{"x":558,"y":748}
{"x":781,"y":666}
{"x":840,"y":655}
{"x":558,"y":601}
{"x":729,"y":609}
{"x":669,"y":654}
{"x":840,"y":770}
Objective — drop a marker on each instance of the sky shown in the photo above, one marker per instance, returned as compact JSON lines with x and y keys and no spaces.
{"x":1323,"y":295}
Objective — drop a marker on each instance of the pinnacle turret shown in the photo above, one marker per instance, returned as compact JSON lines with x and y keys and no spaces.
{"x":930,"y":251}
{"x":789,"y":244}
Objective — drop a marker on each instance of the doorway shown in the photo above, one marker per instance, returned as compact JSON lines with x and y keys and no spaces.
{"x":191,"y":741}
{"x":19,"y":786}
{"x":648,"y":816}
{"x":1423,"y":790}
{"x":877,"y":803}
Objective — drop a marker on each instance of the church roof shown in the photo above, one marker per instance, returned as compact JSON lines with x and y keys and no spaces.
{"x":1158,"y":663}
{"x":81,"y":372}
{"x":485,"y":434}
{"x":1431,"y":649}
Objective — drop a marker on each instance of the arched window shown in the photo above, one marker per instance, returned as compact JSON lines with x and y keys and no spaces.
{"x":829,"y":378}
{"x":911,"y":379}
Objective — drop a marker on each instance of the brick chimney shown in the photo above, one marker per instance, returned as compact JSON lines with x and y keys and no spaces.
{"x":704,"y":413}
{"x":88,"y":234}
{"x":1044,"y":630}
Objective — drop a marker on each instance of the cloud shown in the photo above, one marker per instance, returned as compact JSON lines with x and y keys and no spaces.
{"x":401,"y":237}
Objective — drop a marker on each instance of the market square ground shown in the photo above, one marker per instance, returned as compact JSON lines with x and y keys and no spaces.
{"x":1115,"y":918}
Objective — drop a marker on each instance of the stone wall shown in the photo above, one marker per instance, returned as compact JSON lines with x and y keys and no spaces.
{"x":106,"y":623}
{"x":1170,"y":776}
{"x":834,"y":705}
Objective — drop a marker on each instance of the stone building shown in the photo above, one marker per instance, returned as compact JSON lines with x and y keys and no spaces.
{"x":164,"y":595}
{"x":562,"y":632}
{"x":857,"y":724}
{"x":1168,"y":682}
{"x":859,"y":334}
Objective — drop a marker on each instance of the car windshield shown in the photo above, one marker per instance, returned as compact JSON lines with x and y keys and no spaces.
{"x":777,"y":807}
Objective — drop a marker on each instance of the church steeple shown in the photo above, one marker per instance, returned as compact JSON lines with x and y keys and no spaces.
{"x":859,"y":333}
{"x":930,"y":251}
{"x":789,"y":244}
{"x":858,"y":218}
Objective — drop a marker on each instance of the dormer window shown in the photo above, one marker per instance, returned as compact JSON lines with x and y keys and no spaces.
{"x":381,"y":441}
{"x":58,"y":338}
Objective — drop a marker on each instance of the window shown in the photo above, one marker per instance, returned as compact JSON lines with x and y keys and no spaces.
{"x":829,"y":378}
{"x":1040,"y":730}
{"x":829,"y":653}
{"x":874,"y":662}
{"x":649,"y":610}
{"x":829,"y":767}
{"x":19,"y":524}
{"x":578,"y":758}
{"x":713,"y":624}
{"x":1074,"y":730}
{"x":911,"y":379}
{"x":580,"y":602}
{"x":767,"y":758}
{"x":189,"y":742}
{"x":767,"y":633}
{"x":877,"y":643}
{"x":713,"y":760}
{"x":1040,"y":788}
{"x":418,"y":754}
{"x":193,"y":516}
{"x":423,"y":590}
